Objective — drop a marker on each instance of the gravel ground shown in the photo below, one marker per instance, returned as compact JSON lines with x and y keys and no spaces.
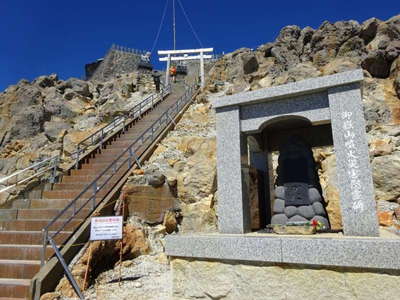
{"x":144,"y":278}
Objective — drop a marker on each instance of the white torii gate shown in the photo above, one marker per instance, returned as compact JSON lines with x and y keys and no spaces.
{"x":184,"y":56}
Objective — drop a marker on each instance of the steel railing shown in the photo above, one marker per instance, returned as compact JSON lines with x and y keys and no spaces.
{"x":126,"y":159}
{"x":25,"y":175}
{"x":127,"y":49}
{"x":120,"y":122}
{"x":42,"y":167}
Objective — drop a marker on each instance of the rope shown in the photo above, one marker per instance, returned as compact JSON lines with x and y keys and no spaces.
{"x":159,"y":28}
{"x":190,"y":23}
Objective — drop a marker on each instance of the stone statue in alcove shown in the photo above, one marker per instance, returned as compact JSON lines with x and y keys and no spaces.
{"x":297,"y":192}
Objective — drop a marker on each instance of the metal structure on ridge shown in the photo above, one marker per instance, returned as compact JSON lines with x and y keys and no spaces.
{"x":182,"y":55}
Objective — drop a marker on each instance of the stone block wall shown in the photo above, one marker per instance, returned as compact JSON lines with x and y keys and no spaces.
{"x":116,"y":62}
{"x":203,"y":279}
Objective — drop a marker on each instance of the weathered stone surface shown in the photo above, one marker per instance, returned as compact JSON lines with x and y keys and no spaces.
{"x":198,"y":217}
{"x":156,"y":179}
{"x":191,"y":280}
{"x":387,"y":184}
{"x":250,"y":64}
{"x":279,"y":206}
{"x":377,"y":64}
{"x":306,"y":211}
{"x":319,"y":208}
{"x":323,"y":220}
{"x":386,"y":218}
{"x":290,"y":211}
{"x":297,"y":218}
{"x":280,"y":219}
{"x":314,"y":195}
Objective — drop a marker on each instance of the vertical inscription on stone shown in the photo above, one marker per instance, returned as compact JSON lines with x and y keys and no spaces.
{"x":352,"y":160}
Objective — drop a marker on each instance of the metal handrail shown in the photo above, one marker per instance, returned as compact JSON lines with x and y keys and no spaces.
{"x":133,"y":113}
{"x":130,"y":155}
{"x":47,"y":164}
{"x":53,"y":162}
{"x":127,"y":49}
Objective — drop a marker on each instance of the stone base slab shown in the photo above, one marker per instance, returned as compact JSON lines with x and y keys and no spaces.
{"x":374,"y":253}
{"x":232,"y":280}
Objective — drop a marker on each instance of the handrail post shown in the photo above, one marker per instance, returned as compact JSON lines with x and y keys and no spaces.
{"x":102,"y":137}
{"x":54,"y":171}
{"x":67,"y":271}
{"x":130,"y":158}
{"x":94,"y":194}
{"x":77,"y":156}
{"x":45,"y":234}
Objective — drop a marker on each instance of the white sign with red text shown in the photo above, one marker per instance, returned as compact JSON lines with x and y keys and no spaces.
{"x":106,"y":228}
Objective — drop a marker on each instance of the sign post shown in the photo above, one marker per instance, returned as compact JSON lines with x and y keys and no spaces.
{"x":106,"y":228}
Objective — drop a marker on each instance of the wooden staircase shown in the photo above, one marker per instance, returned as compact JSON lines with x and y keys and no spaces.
{"x":20,"y":228}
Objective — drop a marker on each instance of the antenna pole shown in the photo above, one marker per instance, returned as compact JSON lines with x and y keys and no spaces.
{"x":174,"y":24}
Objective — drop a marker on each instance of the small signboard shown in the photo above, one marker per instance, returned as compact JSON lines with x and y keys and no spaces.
{"x":106,"y":228}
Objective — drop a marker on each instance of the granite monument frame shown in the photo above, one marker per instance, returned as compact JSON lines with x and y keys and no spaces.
{"x":334,"y":99}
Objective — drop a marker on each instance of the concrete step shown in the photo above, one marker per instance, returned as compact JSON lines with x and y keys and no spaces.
{"x":46,"y":214}
{"x":24,"y":252}
{"x":20,"y":269}
{"x":14,"y":288}
{"x":29,"y":237}
{"x":37,"y":225}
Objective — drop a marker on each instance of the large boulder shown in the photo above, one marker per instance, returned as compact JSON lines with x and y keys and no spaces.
{"x":28,"y":122}
{"x":46,"y":81}
{"x":385,"y":173}
{"x":377,"y":64}
{"x":250,"y":64}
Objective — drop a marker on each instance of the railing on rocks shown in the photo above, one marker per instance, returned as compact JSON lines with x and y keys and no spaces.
{"x":125,"y":160}
{"x":119,"y":122}
{"x":50,"y":165}
{"x":33,"y":171}
{"x":127,"y":50}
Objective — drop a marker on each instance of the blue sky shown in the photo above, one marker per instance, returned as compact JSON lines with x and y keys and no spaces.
{"x":44,"y":37}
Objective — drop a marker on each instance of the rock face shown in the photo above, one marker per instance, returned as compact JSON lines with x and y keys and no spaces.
{"x":49,"y":116}
{"x":103,"y":255}
{"x":186,"y":160}
{"x":186,"y":157}
{"x":191,"y":280}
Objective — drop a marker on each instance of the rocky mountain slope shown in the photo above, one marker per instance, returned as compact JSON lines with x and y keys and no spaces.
{"x":48,"y":116}
{"x":185,"y":159}
{"x":187,"y":155}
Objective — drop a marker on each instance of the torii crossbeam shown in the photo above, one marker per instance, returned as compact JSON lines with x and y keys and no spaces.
{"x":183,"y":55}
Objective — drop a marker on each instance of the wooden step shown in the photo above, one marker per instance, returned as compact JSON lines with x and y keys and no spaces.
{"x":20,"y":269}
{"x":14,"y":288}
{"x":24,"y":252}
{"x":37,"y":225}
{"x":71,"y":194}
{"x":29,"y":237}
{"x":46,"y":214}
{"x":8,"y":214}
{"x":59,"y":203}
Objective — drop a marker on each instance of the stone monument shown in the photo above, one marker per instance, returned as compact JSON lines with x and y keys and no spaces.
{"x":297,"y":194}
